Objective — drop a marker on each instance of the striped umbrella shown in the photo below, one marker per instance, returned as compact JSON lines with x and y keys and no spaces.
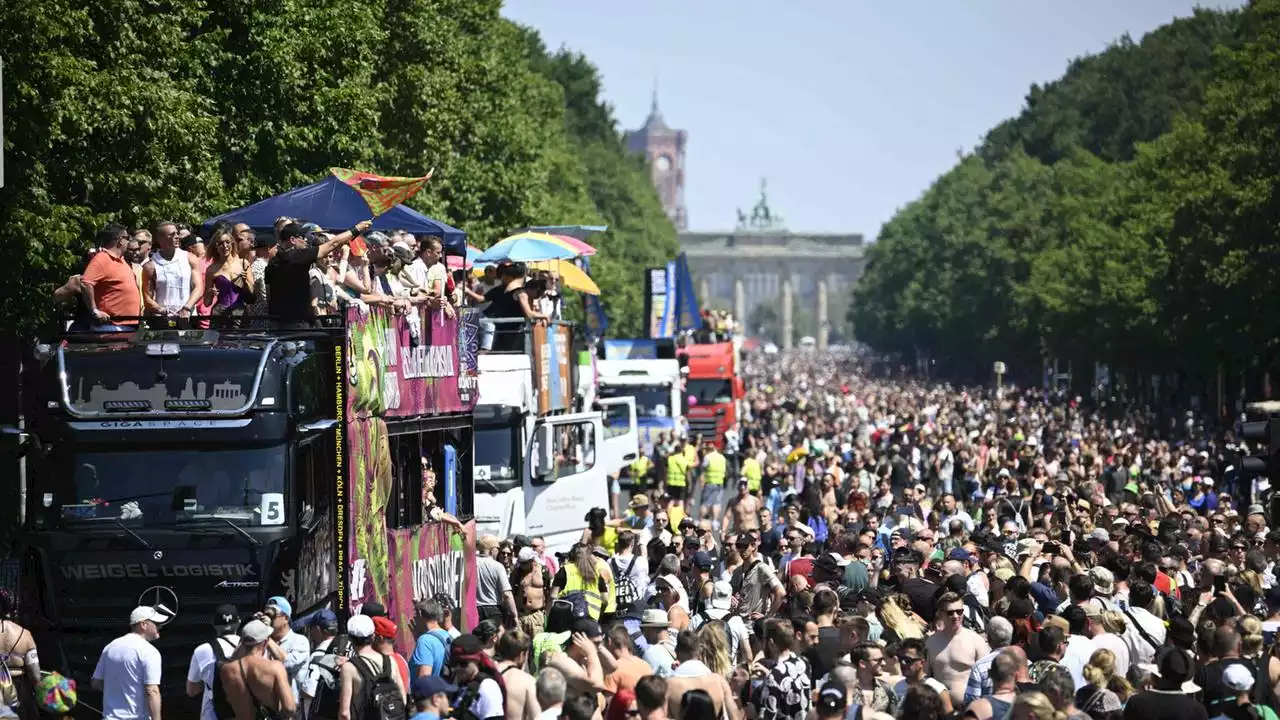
{"x":527,"y":248}
{"x":569,"y":243}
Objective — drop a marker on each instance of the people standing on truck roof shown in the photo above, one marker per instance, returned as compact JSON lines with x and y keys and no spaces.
{"x":287,"y":646}
{"x":109,"y":287}
{"x":288,"y":273}
{"x":172,"y":283}
{"x":20,"y":660}
{"x":128,"y":671}
{"x":264,"y":248}
{"x":256,"y":685}
{"x":228,"y":289}
{"x":204,"y":660}
{"x":427,"y":277}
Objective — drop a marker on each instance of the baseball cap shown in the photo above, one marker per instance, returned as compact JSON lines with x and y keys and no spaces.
{"x":255,"y":631}
{"x":373,"y":609}
{"x":280,"y":604}
{"x":960,"y":553}
{"x":721,"y":596}
{"x":324,"y":619}
{"x":639,"y":500}
{"x":702,"y":559}
{"x":143,"y":613}
{"x":428,"y":686}
{"x":526,"y":554}
{"x":1237,"y":678}
{"x":832,"y":700}
{"x":384,"y":628}
{"x":225,"y":615}
{"x":360,"y":626}
{"x":292,"y":230}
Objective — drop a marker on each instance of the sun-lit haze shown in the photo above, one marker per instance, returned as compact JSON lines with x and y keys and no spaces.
{"x":850,"y":109}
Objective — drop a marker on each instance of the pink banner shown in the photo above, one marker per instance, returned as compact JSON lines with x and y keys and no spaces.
{"x":401,"y":368}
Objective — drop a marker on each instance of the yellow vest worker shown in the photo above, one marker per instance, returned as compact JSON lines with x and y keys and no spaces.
{"x":675,"y":514}
{"x":640,"y":467}
{"x":677,"y":467}
{"x":751,"y":471}
{"x":599,"y":596}
{"x":690,"y":455}
{"x":713,"y":470}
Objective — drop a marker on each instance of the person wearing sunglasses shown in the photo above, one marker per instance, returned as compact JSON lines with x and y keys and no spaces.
{"x":954,"y":649}
{"x":913,"y":660}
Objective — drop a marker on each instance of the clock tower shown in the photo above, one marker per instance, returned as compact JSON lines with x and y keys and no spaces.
{"x":663,"y":150}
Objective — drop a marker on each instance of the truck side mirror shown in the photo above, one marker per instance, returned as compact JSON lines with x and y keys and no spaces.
{"x":544,"y":450}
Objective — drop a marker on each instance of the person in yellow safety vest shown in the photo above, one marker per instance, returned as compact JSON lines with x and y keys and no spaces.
{"x":751,"y":471}
{"x":640,"y":470}
{"x":589,"y":575}
{"x":714,"y":466}
{"x":677,"y":475}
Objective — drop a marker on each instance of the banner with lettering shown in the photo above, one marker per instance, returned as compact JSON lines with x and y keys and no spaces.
{"x":659,"y":301}
{"x":553,"y":367}
{"x":405,"y":366}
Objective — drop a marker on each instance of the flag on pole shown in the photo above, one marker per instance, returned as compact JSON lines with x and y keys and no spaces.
{"x":381,"y":193}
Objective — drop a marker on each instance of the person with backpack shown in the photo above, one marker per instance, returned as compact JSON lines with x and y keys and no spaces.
{"x":319,"y":682}
{"x":431,"y":652}
{"x":482,"y":693}
{"x":719,"y":609}
{"x":208,"y":658}
{"x":371,"y":685}
{"x":630,"y":571}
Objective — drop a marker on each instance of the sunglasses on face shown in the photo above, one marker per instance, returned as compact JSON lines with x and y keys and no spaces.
{"x":909,"y":660}
{"x":954,"y":611}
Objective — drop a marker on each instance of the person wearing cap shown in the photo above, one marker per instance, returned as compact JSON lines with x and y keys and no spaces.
{"x":321,"y":628}
{"x":255,"y":684}
{"x":480,"y":684}
{"x":531,"y":586}
{"x":384,"y":641}
{"x":758,"y":588}
{"x":128,"y":671}
{"x":291,"y":648}
{"x":288,"y":273}
{"x":719,"y":607}
{"x":1171,"y":695}
{"x":226,"y":626}
{"x":639,"y":516}
{"x":429,"y":696}
{"x":831,"y":702}
{"x":655,"y":625}
{"x":363,"y":632}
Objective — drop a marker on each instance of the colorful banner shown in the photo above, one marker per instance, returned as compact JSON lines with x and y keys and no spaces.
{"x":553,"y":367}
{"x":381,"y":193}
{"x":401,"y":369}
{"x":659,"y":300}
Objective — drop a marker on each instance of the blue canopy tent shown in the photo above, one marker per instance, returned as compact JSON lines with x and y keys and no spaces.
{"x":335,"y":205}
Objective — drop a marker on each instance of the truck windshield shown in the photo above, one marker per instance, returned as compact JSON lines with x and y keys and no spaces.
{"x":174,"y":486}
{"x":708,"y":392}
{"x":497,"y":467}
{"x":652,"y":401}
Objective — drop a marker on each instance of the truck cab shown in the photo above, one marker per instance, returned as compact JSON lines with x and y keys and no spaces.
{"x":647,"y":372}
{"x":542,"y":461}
{"x":713,"y":388}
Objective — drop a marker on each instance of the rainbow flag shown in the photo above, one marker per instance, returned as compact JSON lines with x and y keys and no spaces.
{"x":381,"y":193}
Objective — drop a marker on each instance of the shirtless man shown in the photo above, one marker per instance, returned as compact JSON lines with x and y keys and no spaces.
{"x":830,"y":506}
{"x":693,"y":674}
{"x":511,"y":655}
{"x":744,"y":511}
{"x":954,"y":649}
{"x":252,"y":681}
{"x":360,"y":630}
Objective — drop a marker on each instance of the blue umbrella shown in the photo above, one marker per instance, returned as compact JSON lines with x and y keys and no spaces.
{"x":525,"y":249}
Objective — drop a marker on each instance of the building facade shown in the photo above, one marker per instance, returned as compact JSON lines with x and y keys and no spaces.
{"x":663,"y":148}
{"x":762,"y":271}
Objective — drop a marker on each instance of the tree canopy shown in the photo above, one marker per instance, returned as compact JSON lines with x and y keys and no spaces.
{"x":1128,"y":216}
{"x":137,"y":112}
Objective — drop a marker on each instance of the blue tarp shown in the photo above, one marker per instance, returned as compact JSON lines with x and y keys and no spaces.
{"x":336,"y":206}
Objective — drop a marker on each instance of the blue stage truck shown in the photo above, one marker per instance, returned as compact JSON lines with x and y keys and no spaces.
{"x":647,"y":371}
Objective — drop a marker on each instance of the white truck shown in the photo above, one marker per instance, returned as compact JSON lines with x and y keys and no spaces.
{"x":636,"y":369}
{"x":542,"y":462}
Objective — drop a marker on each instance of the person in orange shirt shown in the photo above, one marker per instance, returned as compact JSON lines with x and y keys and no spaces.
{"x":109,"y":286}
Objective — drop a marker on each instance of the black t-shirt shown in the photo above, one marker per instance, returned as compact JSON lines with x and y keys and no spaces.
{"x":289,"y":285}
{"x":921,"y":592}
{"x":1209,"y":678}
{"x":1165,"y":706}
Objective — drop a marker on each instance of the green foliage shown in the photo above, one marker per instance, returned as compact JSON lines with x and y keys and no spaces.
{"x":137,"y":111}
{"x":1128,"y":216}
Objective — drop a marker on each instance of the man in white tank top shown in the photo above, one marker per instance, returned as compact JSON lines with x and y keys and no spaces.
{"x":172,"y":283}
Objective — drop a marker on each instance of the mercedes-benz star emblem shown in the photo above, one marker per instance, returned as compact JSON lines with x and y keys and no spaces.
{"x":162,"y":598}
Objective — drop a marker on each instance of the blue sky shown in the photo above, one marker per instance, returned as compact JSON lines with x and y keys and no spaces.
{"x":850,"y":108}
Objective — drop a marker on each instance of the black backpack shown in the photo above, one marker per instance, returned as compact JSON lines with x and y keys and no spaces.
{"x":626,"y":593}
{"x":221,"y":705}
{"x":381,"y":697}
{"x":328,"y":677}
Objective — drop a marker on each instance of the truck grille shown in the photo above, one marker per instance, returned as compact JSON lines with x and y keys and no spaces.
{"x":706,"y":427}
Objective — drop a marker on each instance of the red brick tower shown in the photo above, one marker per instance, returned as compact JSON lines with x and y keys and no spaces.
{"x":663,"y":149}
